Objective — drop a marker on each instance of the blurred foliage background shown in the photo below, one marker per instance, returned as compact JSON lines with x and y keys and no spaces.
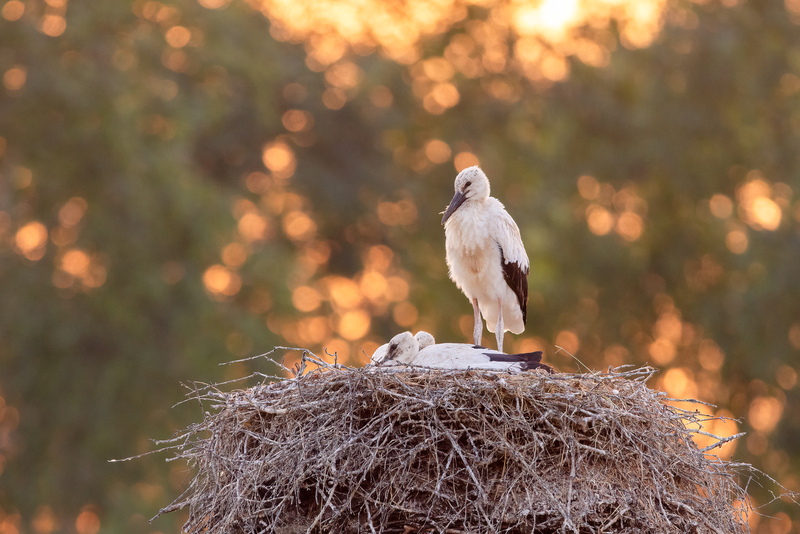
{"x":187,"y":182}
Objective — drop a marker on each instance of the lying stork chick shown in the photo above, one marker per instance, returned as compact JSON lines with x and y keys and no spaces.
{"x":421,"y":350}
{"x":400,"y":350}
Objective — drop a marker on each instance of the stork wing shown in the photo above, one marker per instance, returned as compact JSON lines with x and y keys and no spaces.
{"x":530,"y":357}
{"x":514,"y":260}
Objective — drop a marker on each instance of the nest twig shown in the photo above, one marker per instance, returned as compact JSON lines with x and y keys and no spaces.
{"x":373,"y":450}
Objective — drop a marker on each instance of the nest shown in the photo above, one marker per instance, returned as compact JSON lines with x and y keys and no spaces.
{"x":416,"y":451}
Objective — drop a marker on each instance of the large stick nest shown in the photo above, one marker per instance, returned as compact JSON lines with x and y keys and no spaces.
{"x":373,"y":450}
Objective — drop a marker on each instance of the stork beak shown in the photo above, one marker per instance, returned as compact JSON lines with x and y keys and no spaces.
{"x":458,"y":199}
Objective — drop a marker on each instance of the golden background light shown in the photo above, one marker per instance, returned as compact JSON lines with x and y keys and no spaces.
{"x":297,"y":120}
{"x":72,"y":212}
{"x":764,"y":413}
{"x":88,"y":521}
{"x":221,"y":281}
{"x":306,"y":299}
{"x":464,"y":160}
{"x":279,"y":158}
{"x":354,"y":324}
{"x":31,"y":240}
{"x":75,"y":262}
{"x":53,"y":25}
{"x":437,"y":151}
{"x":721,"y":206}
{"x":757,"y":208}
{"x":599,"y":219}
{"x":13,"y":10}
{"x":234,"y":255}
{"x":254,"y":226}
{"x":405,"y":314}
{"x":214,"y":4}
{"x":568,"y":341}
{"x":14,"y":78}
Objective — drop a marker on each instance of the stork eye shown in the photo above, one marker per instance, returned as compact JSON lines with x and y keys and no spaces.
{"x":466,"y":185}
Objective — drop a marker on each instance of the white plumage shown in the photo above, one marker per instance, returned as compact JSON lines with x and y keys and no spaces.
{"x":486,"y":256}
{"x":401,"y":349}
{"x":420,"y":350}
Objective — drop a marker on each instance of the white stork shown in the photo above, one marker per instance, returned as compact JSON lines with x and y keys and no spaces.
{"x":420,"y":350}
{"x":486,"y":257}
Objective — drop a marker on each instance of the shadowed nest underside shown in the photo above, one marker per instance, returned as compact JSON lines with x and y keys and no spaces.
{"x":375,"y":450}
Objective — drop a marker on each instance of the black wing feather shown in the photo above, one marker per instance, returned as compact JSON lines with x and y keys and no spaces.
{"x":531,"y":357}
{"x":528,"y":360}
{"x":517,"y":279}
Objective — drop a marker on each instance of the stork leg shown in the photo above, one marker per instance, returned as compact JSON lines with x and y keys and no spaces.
{"x":499,"y":330}
{"x":477,"y":329}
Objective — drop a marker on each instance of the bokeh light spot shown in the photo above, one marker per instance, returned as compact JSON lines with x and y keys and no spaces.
{"x":764,"y":413}
{"x":344,"y":293}
{"x":710,"y":356}
{"x":44,"y":520}
{"x":178,"y":36}
{"x":568,"y":341}
{"x":662,"y":351}
{"x":629,"y":226}
{"x":214,"y":4}
{"x":756,"y":207}
{"x":53,"y":25}
{"x":297,"y":120}
{"x":306,"y":299}
{"x":378,"y":258}
{"x":221,"y":281}
{"x":279,"y":158}
{"x":396,"y":289}
{"x":794,"y":335}
{"x":766,"y":213}
{"x":437,"y":151}
{"x":254,"y":227}
{"x":298,"y":226}
{"x":345,"y":75}
{"x":737,"y":241}
{"x":464,"y":160}
{"x":31,"y":240}
{"x":373,"y":285}
{"x":234,"y":254}
{"x":381,"y":96}
{"x":13,"y":10}
{"x":87,"y":522}
{"x":72,"y":212}
{"x":354,"y":324}
{"x":786,"y":377}
{"x":15,"y":77}
{"x":588,"y":187}
{"x":75,"y":262}
{"x":599,"y":220}
{"x":721,"y":206}
{"x":334,"y":98}
{"x":679,"y":383}
{"x":405,"y":314}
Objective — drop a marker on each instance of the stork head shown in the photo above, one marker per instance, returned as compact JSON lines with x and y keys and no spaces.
{"x":471,"y":184}
{"x":401,"y":349}
{"x":424,"y":339}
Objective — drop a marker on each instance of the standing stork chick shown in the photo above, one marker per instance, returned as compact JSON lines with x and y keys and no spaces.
{"x":486,"y":257}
